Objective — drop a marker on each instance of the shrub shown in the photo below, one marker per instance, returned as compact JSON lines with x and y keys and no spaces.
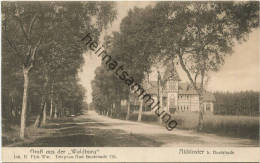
{"x":146,"y":117}
{"x":186,"y":120}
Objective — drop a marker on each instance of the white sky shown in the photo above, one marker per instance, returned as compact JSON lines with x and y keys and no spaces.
{"x":241,"y":70}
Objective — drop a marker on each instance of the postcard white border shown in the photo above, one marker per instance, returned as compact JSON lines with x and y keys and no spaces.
{"x":130,"y":154}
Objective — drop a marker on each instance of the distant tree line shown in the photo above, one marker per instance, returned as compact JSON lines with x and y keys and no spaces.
{"x":237,"y":103}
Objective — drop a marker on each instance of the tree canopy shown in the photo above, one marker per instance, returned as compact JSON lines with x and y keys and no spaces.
{"x":42,"y":40}
{"x":196,"y":35}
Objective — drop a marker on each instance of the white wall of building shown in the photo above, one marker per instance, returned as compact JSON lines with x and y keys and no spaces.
{"x":188,"y":103}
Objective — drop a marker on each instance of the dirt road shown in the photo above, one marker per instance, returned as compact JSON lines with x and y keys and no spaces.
{"x":93,"y":130}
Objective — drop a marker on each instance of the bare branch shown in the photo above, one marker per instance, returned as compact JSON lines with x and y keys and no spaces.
{"x":186,"y":70}
{"x":202,"y":73}
{"x":31,"y":54}
{"x":195,"y":78}
{"x":192,"y":51}
{"x":22,"y":28}
{"x":52,"y":42}
{"x":31,"y":25}
{"x":36,"y":48}
{"x":30,"y":67}
{"x":11,"y":44}
{"x":29,"y":50}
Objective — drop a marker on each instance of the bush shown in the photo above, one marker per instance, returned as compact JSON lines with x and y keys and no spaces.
{"x":146,"y":117}
{"x":187,"y":120}
{"x":122,"y":115}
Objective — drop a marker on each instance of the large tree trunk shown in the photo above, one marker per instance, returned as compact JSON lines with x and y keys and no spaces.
{"x":61,"y":110}
{"x":11,"y":113}
{"x":161,"y":98}
{"x":44,"y":114}
{"x":24,"y":105}
{"x":118,"y":107}
{"x":128,"y":108}
{"x":51,"y":107}
{"x":112,"y":110}
{"x":55,"y":112}
{"x":56,"y":107}
{"x":201,"y":112}
{"x":140,"y":111}
{"x":201,"y":108}
{"x":37,"y":122}
{"x":199,"y":90}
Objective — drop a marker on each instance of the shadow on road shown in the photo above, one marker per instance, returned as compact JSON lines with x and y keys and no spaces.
{"x":82,"y":133}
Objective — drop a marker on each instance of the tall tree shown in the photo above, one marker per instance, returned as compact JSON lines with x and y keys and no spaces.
{"x":131,"y":47}
{"x":29,"y":27}
{"x":199,"y":35}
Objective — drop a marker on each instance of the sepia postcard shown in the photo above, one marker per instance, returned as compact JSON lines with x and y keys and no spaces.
{"x":130,"y":81}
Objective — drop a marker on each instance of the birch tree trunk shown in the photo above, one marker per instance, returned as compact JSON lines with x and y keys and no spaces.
{"x":24,"y":105}
{"x":201,"y":112}
{"x":140,"y":111}
{"x":44,"y":114}
{"x":113,"y":109}
{"x":11,"y":112}
{"x":160,"y":98}
{"x":61,"y":109}
{"x":128,"y":108}
{"x":201,"y":108}
{"x":51,"y":107}
{"x":55,"y":112}
{"x":199,"y":90}
{"x":37,"y":122}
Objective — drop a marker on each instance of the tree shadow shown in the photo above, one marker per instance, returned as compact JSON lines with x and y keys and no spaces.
{"x":90,"y":135}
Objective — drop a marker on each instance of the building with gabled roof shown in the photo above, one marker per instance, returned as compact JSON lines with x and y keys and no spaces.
{"x":176,"y":95}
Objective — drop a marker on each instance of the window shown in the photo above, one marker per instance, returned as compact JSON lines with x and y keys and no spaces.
{"x":171,"y":86}
{"x":164,"y":101}
{"x":171,"y":102}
